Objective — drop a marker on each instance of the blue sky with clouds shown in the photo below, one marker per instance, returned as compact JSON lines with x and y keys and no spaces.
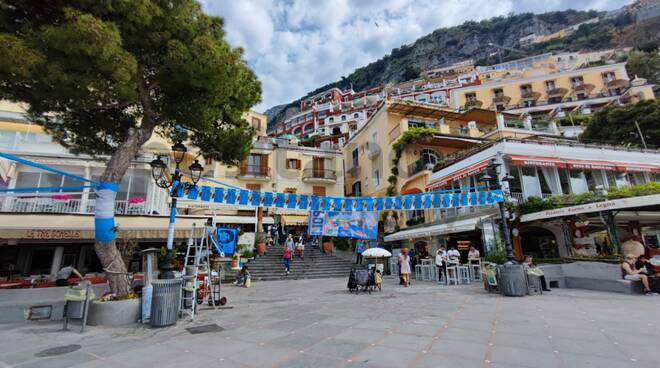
{"x":296,"y":46}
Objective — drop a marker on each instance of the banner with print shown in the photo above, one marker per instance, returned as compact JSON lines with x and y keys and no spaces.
{"x":226,"y":239}
{"x":358,"y":225}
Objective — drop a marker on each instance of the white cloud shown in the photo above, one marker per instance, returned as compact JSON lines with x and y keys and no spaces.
{"x":296,"y":46}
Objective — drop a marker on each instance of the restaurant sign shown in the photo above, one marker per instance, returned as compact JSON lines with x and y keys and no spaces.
{"x":593,"y":207}
{"x":53,"y":234}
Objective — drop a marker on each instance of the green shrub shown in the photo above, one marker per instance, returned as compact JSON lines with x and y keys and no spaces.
{"x":342,"y":243}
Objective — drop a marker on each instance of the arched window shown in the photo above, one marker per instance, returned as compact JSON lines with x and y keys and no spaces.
{"x":343,"y":118}
{"x":356,"y":115}
{"x":429,"y":156}
{"x":331,"y":120}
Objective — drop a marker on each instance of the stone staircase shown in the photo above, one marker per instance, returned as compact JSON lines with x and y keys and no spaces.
{"x":315,"y":264}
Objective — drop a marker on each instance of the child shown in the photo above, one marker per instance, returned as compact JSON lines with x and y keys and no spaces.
{"x":288,"y":252}
{"x":378,"y":279}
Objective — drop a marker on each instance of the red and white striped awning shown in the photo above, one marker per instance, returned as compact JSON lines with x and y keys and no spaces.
{"x":460,"y":174}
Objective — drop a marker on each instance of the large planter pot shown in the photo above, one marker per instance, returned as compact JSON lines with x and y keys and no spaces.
{"x":261,"y":248}
{"x":114,"y":313}
{"x":327,"y":247}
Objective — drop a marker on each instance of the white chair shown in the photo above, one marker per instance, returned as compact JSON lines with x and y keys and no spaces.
{"x":452,"y":274}
{"x":463,"y":274}
{"x":418,"y":271}
{"x":475,"y":269}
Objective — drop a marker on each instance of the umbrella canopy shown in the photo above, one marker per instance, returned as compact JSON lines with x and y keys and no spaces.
{"x":376,"y":252}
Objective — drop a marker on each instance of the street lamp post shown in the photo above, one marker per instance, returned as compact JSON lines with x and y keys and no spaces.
{"x":508,"y":245}
{"x":172,"y":181}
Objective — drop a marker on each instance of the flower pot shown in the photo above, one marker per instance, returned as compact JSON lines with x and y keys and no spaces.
{"x":114,"y":313}
{"x":261,"y":248}
{"x":327,"y":247}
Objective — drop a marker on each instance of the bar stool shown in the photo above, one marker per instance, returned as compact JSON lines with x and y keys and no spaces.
{"x":427,"y":271}
{"x":418,"y":271}
{"x":475,"y":269}
{"x":463,"y":274}
{"x":452,"y":274}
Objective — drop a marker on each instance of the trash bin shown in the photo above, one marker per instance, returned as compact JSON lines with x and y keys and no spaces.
{"x":165,"y":302}
{"x":512,"y":280}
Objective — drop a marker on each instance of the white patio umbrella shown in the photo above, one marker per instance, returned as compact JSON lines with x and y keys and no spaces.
{"x":376,"y":253}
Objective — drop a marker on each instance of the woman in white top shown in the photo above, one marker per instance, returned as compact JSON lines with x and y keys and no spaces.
{"x":440,"y":257}
{"x":404,"y":266}
{"x":300,"y":247}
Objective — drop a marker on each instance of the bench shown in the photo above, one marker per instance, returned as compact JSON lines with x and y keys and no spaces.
{"x":598,"y":276}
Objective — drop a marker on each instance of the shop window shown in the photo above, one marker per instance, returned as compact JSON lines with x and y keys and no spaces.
{"x":578,"y":182}
{"x":564,"y":181}
{"x":545,"y":180}
{"x":318,"y":190}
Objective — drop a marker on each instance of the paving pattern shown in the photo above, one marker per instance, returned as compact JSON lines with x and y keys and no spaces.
{"x":317,"y":323}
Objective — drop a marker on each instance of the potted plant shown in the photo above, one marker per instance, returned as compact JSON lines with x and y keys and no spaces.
{"x":327,"y":244}
{"x":260,"y":243}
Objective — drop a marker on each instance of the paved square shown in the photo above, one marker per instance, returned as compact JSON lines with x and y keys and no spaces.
{"x":317,"y":323}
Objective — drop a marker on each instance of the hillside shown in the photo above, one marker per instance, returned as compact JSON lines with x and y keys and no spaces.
{"x":470,"y":40}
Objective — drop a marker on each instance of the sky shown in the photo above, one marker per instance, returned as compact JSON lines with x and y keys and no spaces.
{"x":296,"y":46}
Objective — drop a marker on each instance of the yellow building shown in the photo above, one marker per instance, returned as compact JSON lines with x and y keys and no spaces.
{"x":542,"y":93}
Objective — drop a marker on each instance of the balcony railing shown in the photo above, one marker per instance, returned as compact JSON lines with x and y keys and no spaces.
{"x":520,"y":198}
{"x":72,"y":206}
{"x":254,"y":171}
{"x":418,"y":166}
{"x":319,"y":174}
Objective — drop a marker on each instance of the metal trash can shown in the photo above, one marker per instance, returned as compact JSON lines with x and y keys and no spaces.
{"x":512,"y":280}
{"x":165,"y":302}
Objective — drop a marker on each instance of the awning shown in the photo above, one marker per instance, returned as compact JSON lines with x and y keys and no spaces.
{"x":643,"y":201}
{"x":460,"y":174}
{"x":81,"y":227}
{"x":581,"y":164}
{"x":433,"y":230}
{"x":293,"y":220}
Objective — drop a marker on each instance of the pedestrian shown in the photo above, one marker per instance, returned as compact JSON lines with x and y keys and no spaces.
{"x":289,"y":242}
{"x":275,"y":234}
{"x":473,"y":253}
{"x":286,"y":257}
{"x":359,"y":248}
{"x":300,"y":247}
{"x":440,"y":258}
{"x":404,"y":266}
{"x":242,"y":277}
{"x":62,"y":276}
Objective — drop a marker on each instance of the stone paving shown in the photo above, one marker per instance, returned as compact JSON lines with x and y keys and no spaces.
{"x":317,"y":323}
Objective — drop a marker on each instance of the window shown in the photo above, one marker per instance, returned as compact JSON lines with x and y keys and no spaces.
{"x":470,"y":97}
{"x":293,"y":163}
{"x":498,"y":92}
{"x":554,"y":99}
{"x":581,"y":96}
{"x":374,"y":136}
{"x":290,"y":190}
{"x":578,"y":182}
{"x":416,"y":124}
{"x":499,"y":107}
{"x":318,"y":190}
{"x":331,"y":120}
{"x":255,"y":187}
{"x":343,"y":118}
{"x":608,"y":77}
{"x":208,"y":161}
{"x":376,"y":177}
{"x":355,"y":157}
{"x":526,"y":88}
{"x":430,"y":157}
{"x":577,"y":81}
{"x":529,"y":103}
{"x":356,"y":189}
{"x":256,"y":123}
{"x":549,"y":85}
{"x":322,"y":114}
{"x":356,"y":115}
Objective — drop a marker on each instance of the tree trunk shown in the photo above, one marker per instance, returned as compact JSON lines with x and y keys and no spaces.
{"x":105,"y":230}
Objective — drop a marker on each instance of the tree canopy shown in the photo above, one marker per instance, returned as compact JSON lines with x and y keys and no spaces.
{"x":616,"y":125}
{"x":644,"y":65}
{"x":93,"y":71}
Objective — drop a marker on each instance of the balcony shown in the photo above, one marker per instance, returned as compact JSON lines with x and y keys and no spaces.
{"x":583,"y":87}
{"x":373,"y":150}
{"x":501,"y":99}
{"x":68,"y":206}
{"x":321,"y":176}
{"x":354,"y":170}
{"x":254,"y":172}
{"x":473,"y":104}
{"x":418,"y":166}
{"x":530,"y":95}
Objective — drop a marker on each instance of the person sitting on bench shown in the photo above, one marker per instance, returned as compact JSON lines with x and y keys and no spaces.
{"x":533,"y":270}
{"x":630,"y":272}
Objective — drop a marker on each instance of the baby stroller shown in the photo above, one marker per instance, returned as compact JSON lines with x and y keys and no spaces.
{"x":364,"y":280}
